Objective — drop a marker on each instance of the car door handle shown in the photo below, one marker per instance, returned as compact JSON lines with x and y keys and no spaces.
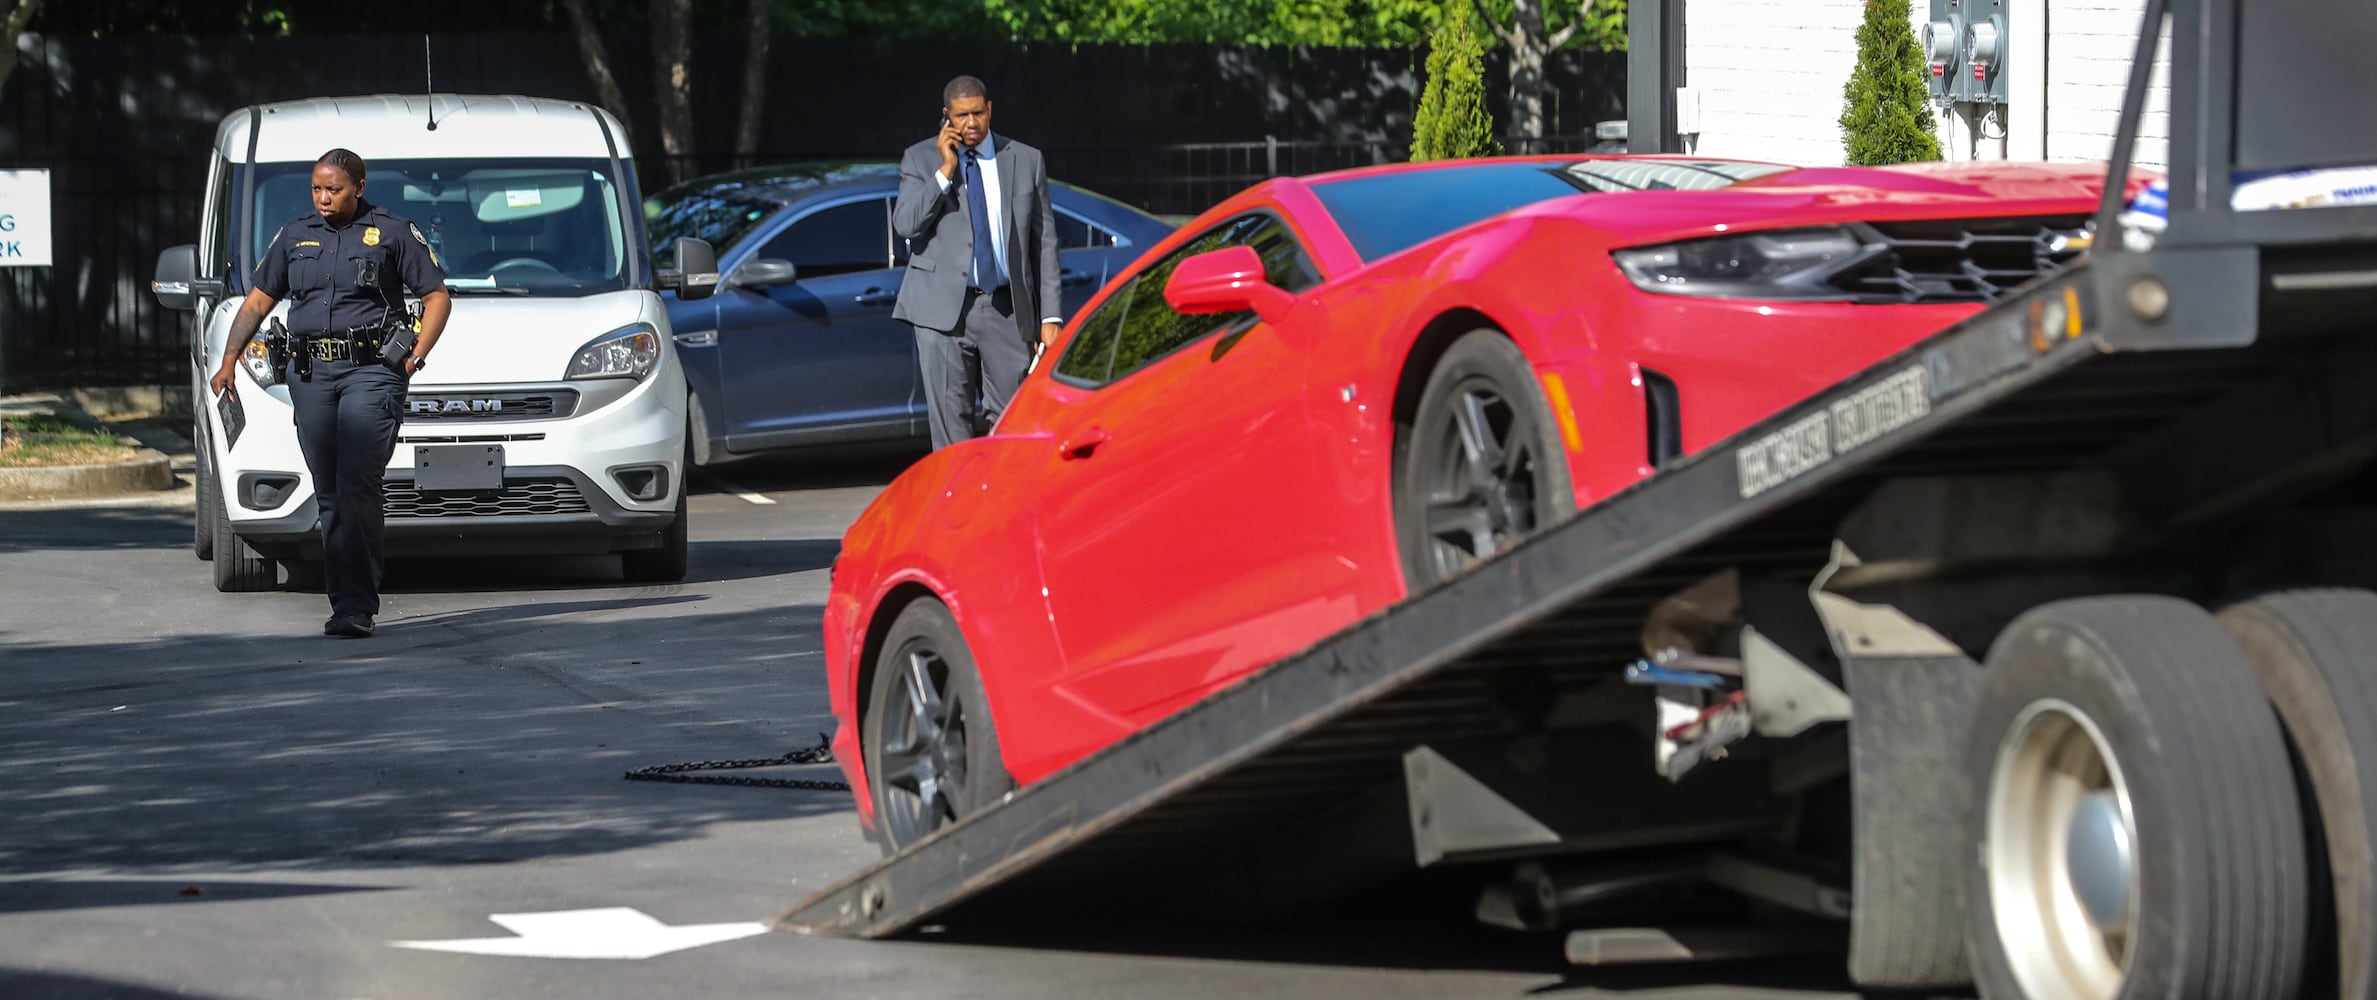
{"x":876,"y":297}
{"x":1069,"y":277}
{"x":1082,"y":445}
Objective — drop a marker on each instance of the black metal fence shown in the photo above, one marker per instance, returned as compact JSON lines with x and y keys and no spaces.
{"x":124,"y":126}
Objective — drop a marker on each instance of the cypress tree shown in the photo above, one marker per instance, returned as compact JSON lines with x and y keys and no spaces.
{"x":1452,"y":122}
{"x":1888,"y":117}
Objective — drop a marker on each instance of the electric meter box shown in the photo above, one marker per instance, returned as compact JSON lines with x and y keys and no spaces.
{"x":1964,"y":51}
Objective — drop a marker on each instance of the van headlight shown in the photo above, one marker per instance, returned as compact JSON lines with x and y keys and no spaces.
{"x":632,"y":351}
{"x":1784,"y":264}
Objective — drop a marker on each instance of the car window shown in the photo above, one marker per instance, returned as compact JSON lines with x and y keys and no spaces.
{"x":836,"y":240}
{"x":719,"y":218}
{"x":1076,"y":233}
{"x":1135,"y":327}
{"x":1385,"y":213}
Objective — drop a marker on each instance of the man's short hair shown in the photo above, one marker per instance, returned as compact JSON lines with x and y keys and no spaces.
{"x":963,"y":87}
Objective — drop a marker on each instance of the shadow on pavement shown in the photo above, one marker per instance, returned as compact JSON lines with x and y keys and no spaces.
{"x":94,"y":528}
{"x":45,"y":895}
{"x":498,"y":734}
{"x":25,"y":984}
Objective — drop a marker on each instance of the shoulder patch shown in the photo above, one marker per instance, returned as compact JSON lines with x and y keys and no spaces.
{"x":424,"y":241}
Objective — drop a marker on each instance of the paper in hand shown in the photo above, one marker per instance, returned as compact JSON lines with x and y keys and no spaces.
{"x":235,"y":418}
{"x":1038,"y":348}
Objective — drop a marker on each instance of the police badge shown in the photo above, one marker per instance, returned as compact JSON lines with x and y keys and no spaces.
{"x":371,"y":236}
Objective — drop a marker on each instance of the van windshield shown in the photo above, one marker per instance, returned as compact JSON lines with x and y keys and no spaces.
{"x":500,"y":227}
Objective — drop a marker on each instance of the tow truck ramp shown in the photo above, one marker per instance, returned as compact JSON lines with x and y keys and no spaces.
{"x":2223,"y":367}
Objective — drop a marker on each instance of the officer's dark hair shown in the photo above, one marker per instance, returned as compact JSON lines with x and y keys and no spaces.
{"x":344,"y":159}
{"x":963,"y":87}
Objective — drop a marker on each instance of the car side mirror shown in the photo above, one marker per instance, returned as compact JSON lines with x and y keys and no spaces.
{"x":1226,"y":280}
{"x":177,"y":284}
{"x":766,"y":271}
{"x":696,"y":276}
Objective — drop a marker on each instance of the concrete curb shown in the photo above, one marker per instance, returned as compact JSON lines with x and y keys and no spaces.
{"x":149,"y":473}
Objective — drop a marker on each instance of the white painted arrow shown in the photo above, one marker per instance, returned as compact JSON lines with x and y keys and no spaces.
{"x":612,"y":932}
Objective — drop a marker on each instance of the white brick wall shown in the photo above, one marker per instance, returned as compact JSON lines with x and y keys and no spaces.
{"x":1769,"y":74}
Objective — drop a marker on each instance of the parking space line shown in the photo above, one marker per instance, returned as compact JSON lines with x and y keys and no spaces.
{"x":747,"y":495}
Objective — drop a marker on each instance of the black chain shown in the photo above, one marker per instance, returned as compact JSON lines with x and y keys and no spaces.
{"x":822,"y":753}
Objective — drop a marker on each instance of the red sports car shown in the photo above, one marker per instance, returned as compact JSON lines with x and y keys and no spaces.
{"x":1330,"y":392}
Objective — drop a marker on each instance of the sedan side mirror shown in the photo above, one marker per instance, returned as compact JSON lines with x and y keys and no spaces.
{"x":177,"y":284}
{"x":765,"y":271}
{"x":1226,"y":280}
{"x":696,"y":276}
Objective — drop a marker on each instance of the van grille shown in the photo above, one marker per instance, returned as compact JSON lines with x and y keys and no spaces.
{"x":1958,"y":260}
{"x":518,"y":496}
{"x":540,"y":404}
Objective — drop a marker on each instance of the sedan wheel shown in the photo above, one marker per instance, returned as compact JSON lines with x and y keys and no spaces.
{"x":1482,"y":465}
{"x":932,"y":755}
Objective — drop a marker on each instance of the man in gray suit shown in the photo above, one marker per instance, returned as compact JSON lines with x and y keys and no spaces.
{"x":982,"y":238}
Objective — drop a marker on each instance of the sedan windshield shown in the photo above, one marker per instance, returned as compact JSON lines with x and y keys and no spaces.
{"x":720,"y":217}
{"x":499,"y":227}
{"x":1387,"y":213}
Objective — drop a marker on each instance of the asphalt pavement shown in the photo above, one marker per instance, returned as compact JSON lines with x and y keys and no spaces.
{"x":207,"y":798}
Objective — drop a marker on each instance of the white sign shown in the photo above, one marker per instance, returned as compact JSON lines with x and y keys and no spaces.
{"x":24,"y":218}
{"x":617,"y":932}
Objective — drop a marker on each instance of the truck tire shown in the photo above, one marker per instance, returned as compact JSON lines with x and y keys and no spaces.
{"x":2137,"y":830}
{"x":238,"y":569}
{"x":202,"y":534}
{"x":1482,"y":390}
{"x":929,"y":746}
{"x":667,"y":563}
{"x":2310,"y":649}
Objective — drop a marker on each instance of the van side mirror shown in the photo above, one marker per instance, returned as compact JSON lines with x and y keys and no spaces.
{"x":177,"y":284}
{"x":765,"y":271}
{"x":1227,"y":280}
{"x":696,"y":276}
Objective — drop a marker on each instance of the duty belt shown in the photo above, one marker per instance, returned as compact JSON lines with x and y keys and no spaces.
{"x":351,"y":345}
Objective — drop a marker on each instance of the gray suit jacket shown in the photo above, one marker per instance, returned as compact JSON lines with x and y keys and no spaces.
{"x":941,"y":238}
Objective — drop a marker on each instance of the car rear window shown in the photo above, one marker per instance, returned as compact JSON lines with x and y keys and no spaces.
{"x":1387,"y":213}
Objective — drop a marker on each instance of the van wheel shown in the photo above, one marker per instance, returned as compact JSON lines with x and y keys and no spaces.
{"x":238,"y":568}
{"x":2137,"y":827}
{"x":2309,"y":649}
{"x":1481,"y":466}
{"x":930,"y":750}
{"x":665,"y":564}
{"x":202,"y":534}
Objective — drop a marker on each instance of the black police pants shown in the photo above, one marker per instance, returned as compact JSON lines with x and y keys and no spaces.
{"x":347,"y":418}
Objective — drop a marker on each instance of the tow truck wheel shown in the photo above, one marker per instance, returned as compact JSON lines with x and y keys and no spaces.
{"x":238,"y":569}
{"x":931,"y":753}
{"x":1482,"y":464}
{"x":202,"y":541}
{"x":2136,"y":820}
{"x":2309,"y":649}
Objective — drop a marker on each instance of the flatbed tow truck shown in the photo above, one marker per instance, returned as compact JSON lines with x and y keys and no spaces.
{"x":2041,"y":656}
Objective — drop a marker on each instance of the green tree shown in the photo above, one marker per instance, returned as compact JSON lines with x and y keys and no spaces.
{"x":1888,"y":117}
{"x":1532,"y":30}
{"x":1451,"y":122}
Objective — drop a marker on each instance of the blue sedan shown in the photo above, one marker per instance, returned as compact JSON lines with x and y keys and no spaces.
{"x":798,"y":348}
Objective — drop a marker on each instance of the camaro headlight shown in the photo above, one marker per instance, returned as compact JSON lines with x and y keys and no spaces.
{"x":1780,"y":264}
{"x":629,"y":352}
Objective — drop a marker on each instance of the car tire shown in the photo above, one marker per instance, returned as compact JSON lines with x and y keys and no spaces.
{"x":1481,"y":390}
{"x":202,"y":534}
{"x":929,"y":746}
{"x":238,"y":568}
{"x":697,"y":432}
{"x":667,"y":563}
{"x":2136,"y":826}
{"x":2309,"y":649}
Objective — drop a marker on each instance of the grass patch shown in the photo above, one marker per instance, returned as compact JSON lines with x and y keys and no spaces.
{"x":44,"y":440}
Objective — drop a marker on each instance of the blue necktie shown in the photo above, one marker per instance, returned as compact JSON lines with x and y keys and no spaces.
{"x":986,"y":261}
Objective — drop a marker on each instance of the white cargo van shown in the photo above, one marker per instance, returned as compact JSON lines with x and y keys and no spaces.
{"x":556,"y":378}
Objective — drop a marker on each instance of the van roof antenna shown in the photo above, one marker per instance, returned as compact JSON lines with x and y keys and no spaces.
{"x":428,"y":84}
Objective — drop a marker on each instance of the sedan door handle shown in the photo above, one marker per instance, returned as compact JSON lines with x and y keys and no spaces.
{"x":1082,"y":445}
{"x":1070,"y":278}
{"x":876,"y":297}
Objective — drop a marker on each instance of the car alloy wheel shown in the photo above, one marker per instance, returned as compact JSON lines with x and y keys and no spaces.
{"x":1483,"y":467}
{"x":931,"y":751}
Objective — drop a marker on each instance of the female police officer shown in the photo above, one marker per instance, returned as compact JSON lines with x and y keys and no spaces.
{"x":345,"y":269}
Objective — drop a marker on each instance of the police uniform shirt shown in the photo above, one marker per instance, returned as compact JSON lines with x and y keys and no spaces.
{"x":322,"y":267}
